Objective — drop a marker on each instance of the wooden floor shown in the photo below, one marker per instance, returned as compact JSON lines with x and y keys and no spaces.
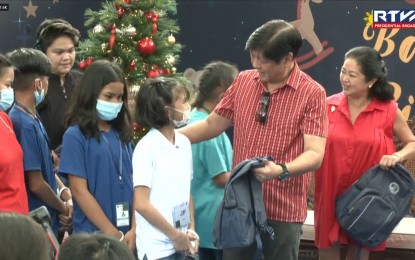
{"x":309,"y":252}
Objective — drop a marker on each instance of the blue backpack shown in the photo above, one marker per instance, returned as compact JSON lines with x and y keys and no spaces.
{"x":370,"y":209}
{"x":241,"y":216}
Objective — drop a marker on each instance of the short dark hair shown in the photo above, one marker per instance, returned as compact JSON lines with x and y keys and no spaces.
{"x":4,"y":63}
{"x":152,"y":98}
{"x":94,"y":247}
{"x":28,"y":64}
{"x":372,"y":66}
{"x":214,"y":75}
{"x":22,"y":238}
{"x":276,"y":39}
{"x":82,"y":110}
{"x":51,"y":29}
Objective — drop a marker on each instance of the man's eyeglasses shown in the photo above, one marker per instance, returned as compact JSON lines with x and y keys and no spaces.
{"x":262,"y":113}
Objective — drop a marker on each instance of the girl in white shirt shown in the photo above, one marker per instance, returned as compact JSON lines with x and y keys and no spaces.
{"x":162,"y":170}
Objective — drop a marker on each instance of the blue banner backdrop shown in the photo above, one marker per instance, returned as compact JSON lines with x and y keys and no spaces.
{"x":218,"y":30}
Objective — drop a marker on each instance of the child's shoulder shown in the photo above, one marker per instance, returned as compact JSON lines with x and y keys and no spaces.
{"x":74,"y":130}
{"x":182,"y":139}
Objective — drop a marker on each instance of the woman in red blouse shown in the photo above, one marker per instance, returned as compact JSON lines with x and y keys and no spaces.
{"x":363,"y":119}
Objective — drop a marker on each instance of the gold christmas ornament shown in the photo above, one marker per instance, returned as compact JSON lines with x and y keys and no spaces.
{"x":170,"y":39}
{"x":130,"y":31}
{"x":98,"y":29}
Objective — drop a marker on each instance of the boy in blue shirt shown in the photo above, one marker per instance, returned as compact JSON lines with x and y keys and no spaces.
{"x":32,"y":68}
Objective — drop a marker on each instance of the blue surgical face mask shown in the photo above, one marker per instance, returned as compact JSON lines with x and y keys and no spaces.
{"x":108,"y":111}
{"x":7,"y":98}
{"x":39,"y":96}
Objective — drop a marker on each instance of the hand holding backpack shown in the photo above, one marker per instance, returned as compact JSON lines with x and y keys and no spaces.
{"x":241,"y":215}
{"x":374,"y":205}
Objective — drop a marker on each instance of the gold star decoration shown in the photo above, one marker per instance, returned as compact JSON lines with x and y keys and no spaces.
{"x":369,"y":18}
{"x":30,"y":9}
{"x":55,"y":1}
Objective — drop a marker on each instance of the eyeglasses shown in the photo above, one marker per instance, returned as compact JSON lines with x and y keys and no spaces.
{"x":262,"y":112}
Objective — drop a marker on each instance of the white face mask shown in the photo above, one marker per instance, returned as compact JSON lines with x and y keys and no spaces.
{"x":185,"y":119}
{"x":7,"y":98}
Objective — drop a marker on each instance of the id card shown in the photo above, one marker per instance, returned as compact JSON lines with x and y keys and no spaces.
{"x":181,"y":215}
{"x":122,"y":211}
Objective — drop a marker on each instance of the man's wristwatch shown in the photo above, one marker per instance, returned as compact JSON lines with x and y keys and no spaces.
{"x":285,"y":173}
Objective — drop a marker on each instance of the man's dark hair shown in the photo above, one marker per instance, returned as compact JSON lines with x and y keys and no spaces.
{"x":28,"y":64}
{"x":4,"y":63}
{"x":275,"y":39}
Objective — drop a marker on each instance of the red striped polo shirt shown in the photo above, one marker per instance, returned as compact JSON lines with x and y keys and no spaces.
{"x":296,"y":109}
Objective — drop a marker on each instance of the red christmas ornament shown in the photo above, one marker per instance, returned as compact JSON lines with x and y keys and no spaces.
{"x":155,"y":17}
{"x":154,"y":28}
{"x":120,"y":13}
{"x":82,"y":65}
{"x":89,"y":61}
{"x":146,"y":46}
{"x":149,"y":15}
{"x":112,"y":37}
{"x":167,"y":71}
{"x":153,"y":73}
{"x":137,"y":127}
{"x":127,"y":1}
{"x":117,"y":6}
{"x":132,"y":65}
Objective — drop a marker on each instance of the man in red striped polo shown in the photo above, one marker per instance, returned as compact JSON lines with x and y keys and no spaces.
{"x":277,"y":110}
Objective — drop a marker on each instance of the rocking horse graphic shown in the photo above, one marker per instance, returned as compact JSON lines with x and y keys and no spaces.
{"x":305,"y":24}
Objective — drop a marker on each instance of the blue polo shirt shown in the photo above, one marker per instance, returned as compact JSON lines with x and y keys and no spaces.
{"x":36,"y":156}
{"x":98,"y":163}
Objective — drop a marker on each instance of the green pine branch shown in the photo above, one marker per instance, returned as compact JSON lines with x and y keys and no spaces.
{"x":135,"y":16}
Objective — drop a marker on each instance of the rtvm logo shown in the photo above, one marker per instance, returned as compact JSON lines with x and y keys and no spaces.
{"x":401,"y":19}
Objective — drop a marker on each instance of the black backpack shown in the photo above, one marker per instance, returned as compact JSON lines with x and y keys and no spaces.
{"x":241,"y":215}
{"x":370,"y":209}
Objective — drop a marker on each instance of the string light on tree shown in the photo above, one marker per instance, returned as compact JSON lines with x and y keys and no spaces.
{"x":104,"y":46}
{"x":130,"y":31}
{"x":98,"y":29}
{"x":170,"y":60}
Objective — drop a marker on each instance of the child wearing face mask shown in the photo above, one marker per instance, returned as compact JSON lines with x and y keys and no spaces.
{"x":13,"y":197}
{"x":162,"y":165}
{"x":32,"y":68}
{"x":96,"y":154}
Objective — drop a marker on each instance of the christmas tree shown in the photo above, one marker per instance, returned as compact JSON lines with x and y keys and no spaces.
{"x":138,"y":35}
